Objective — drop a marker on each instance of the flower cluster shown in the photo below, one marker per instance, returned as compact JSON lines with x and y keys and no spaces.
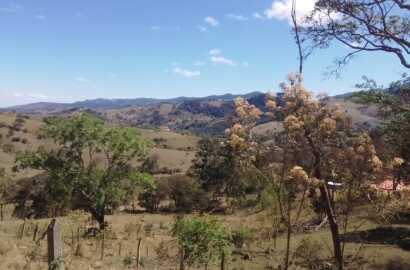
{"x":239,"y":134}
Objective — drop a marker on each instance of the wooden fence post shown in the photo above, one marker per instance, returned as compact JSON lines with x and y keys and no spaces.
{"x":102,"y":246}
{"x":138,"y":253}
{"x":223,"y":260}
{"x":54,"y":245}
{"x":119,"y":249}
{"x":23,"y":229}
{"x":181,"y":259}
{"x":35,"y":232}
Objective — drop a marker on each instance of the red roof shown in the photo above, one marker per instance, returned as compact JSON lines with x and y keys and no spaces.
{"x":388,"y":184}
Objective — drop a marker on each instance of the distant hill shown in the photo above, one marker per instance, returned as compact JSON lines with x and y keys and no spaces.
{"x":101,"y":103}
{"x":202,"y":116}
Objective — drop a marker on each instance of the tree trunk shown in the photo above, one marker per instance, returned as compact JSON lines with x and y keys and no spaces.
{"x":334,"y":228}
{"x":1,"y":212}
{"x":99,"y":217}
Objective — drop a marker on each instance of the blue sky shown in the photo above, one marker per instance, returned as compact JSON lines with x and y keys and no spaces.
{"x":70,"y":50}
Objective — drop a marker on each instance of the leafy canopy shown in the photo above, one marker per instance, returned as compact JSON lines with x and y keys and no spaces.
{"x":89,"y":163}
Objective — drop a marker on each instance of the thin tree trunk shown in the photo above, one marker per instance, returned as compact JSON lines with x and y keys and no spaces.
{"x":334,"y":229}
{"x":289,"y":232}
{"x":1,"y":212}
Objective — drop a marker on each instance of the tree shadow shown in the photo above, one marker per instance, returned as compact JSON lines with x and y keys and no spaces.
{"x":399,"y":236}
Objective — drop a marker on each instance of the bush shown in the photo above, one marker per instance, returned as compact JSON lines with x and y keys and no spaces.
{"x":242,"y":235}
{"x":202,"y":238}
{"x":127,"y":260}
{"x":154,"y":195}
{"x":187,"y":193}
{"x":15,"y":139}
{"x":24,"y":141}
{"x":8,"y":148}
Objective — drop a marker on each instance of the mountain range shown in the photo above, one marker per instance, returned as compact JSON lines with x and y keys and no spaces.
{"x":101,"y":103}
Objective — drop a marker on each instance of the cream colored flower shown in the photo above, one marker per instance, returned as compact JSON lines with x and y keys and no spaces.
{"x":328,"y":126}
{"x":299,"y":175}
{"x":292,"y":123}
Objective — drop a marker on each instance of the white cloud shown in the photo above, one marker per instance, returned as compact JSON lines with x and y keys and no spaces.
{"x":245,"y":64}
{"x":222,"y":60}
{"x":81,"y":79}
{"x":215,"y":51}
{"x":211,"y":21}
{"x":202,"y":28}
{"x":258,"y":16}
{"x":174,"y":64}
{"x":281,"y":9}
{"x":186,"y":73}
{"x":22,"y":95}
{"x":199,"y":63}
{"x":236,"y":17}
{"x":38,"y":96}
{"x":165,"y":28}
{"x":40,"y":17}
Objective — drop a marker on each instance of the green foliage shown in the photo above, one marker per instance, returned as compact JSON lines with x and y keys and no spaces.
{"x":187,"y":194}
{"x":201,"y":238}
{"x":90,"y":163}
{"x":242,"y":235}
{"x":57,"y":264}
{"x":127,"y":260}
{"x":215,"y":166}
{"x":153,"y":194}
{"x":394,"y":105}
{"x":4,"y":186}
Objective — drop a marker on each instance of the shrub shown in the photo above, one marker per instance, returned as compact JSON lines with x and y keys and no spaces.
{"x":242,"y":235}
{"x":154,"y":194}
{"x":15,"y":139}
{"x":127,"y":260}
{"x":187,"y":194}
{"x":8,"y":148}
{"x":24,"y":141}
{"x":202,"y":238}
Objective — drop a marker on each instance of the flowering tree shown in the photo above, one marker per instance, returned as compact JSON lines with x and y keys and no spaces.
{"x":317,"y":154}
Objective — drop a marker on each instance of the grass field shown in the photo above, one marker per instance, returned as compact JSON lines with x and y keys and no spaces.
{"x":159,"y":249}
{"x":176,"y":154}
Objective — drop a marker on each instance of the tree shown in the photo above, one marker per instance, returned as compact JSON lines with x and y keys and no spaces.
{"x":362,"y":25}
{"x":213,"y":165}
{"x":4,"y":195}
{"x":89,"y":164}
{"x":393,"y":104}
{"x":201,"y":238}
{"x":317,"y":152}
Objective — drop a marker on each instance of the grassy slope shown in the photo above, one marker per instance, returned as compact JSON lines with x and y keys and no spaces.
{"x":124,"y":230}
{"x":171,"y":158}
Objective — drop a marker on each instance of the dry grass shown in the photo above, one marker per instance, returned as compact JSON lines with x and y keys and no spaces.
{"x":126,"y":228}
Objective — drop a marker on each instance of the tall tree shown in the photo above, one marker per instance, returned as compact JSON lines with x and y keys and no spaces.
{"x":393,"y":104}
{"x":317,"y":151}
{"x":90,"y":162}
{"x":213,"y":165}
{"x":362,"y":25}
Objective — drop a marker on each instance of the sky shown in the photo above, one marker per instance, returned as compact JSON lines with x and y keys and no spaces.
{"x":72,"y":50}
